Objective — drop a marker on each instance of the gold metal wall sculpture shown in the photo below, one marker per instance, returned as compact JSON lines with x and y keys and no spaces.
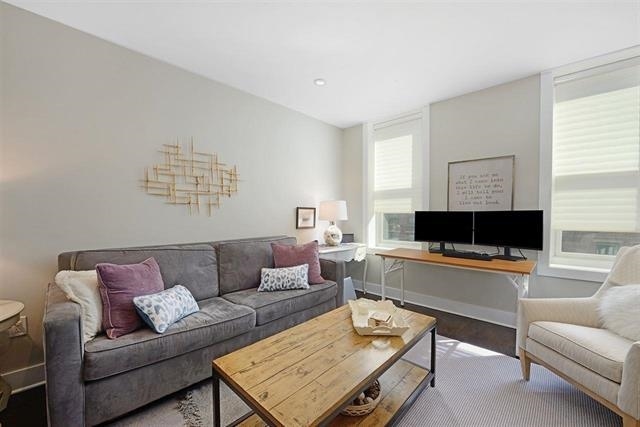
{"x":194,"y":179}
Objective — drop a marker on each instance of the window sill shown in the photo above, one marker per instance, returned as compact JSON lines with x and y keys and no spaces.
{"x":572,"y":273}
{"x":371,"y":250}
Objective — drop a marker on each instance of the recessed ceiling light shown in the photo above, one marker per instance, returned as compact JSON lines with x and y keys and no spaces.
{"x":319,"y":82}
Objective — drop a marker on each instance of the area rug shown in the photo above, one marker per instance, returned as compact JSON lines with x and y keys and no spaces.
{"x":474,"y":387}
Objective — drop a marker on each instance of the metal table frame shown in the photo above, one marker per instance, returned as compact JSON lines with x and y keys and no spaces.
{"x":519,"y":281}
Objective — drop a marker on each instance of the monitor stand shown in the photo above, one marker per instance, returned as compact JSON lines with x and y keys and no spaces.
{"x":507,"y":255}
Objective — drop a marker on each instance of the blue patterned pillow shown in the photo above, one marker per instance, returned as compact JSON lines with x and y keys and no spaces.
{"x":281,"y":279}
{"x":163,"y":309}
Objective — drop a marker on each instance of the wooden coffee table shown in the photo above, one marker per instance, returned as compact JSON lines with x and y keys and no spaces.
{"x":306,"y":375}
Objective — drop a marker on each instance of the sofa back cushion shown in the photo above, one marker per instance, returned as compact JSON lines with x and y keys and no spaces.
{"x":193,"y":266}
{"x":242,"y":261}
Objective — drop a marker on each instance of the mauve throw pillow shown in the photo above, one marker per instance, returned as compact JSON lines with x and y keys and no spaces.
{"x":293,"y":255}
{"x":118,"y":285}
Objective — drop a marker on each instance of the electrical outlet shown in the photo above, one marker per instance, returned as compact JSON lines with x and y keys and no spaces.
{"x":20,"y":328}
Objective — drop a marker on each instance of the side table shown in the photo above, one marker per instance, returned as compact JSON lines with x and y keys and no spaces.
{"x":9,"y":316}
{"x":347,"y":252}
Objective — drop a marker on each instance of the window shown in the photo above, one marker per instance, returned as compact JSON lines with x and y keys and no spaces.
{"x":593,"y":204}
{"x":395,"y":170}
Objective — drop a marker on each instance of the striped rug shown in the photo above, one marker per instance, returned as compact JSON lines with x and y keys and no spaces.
{"x":474,"y":387}
{"x":477,"y":387}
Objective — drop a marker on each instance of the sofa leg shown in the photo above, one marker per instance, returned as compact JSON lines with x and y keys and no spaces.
{"x":525,"y":365}
{"x":628,"y":421}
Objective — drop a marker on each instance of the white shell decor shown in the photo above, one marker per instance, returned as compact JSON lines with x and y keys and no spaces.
{"x":364,"y":313}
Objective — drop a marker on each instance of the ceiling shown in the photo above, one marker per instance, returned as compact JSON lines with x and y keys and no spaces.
{"x":378,"y":58}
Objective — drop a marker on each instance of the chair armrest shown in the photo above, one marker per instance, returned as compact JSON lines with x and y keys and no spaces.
{"x":63,"y":351}
{"x":629,"y":394}
{"x":578,"y":311}
{"x":334,"y":270}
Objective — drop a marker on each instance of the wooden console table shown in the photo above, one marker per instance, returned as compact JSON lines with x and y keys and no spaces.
{"x":517,"y":272}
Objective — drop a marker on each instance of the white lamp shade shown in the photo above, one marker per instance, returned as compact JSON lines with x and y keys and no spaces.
{"x":333,"y":210}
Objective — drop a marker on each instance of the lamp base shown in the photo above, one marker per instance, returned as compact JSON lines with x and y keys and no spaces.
{"x":332,"y":236}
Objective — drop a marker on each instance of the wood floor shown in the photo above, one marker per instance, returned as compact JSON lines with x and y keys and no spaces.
{"x":483,"y":334}
{"x":28,"y":408}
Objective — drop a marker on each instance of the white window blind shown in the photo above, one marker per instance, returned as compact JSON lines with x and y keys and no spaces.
{"x":393,"y":166}
{"x":595,"y":200}
{"x":395,"y":180}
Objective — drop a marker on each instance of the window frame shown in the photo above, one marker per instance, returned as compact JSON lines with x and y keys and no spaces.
{"x":545,"y":268}
{"x":368,"y":140}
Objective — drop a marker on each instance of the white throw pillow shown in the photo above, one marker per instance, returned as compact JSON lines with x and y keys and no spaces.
{"x":619,"y":311}
{"x":82,"y":287}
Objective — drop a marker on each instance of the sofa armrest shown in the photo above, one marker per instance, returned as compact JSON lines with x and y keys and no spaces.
{"x":629,"y":394}
{"x":577,"y":311}
{"x":63,"y":352}
{"x":334,"y":270}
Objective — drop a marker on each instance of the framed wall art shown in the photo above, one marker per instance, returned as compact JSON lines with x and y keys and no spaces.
{"x":481,"y":184}
{"x":305,"y":217}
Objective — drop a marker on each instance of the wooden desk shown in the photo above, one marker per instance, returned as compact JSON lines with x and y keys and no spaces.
{"x":517,"y":272}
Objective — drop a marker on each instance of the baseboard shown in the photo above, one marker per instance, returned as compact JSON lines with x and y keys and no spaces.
{"x":486,"y":314}
{"x":25,"y":378}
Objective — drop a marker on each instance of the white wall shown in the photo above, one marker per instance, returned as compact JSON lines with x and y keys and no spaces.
{"x":497,"y":121}
{"x":352,"y":170}
{"x":82,"y":118}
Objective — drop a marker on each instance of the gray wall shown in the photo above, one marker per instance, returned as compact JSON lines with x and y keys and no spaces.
{"x":497,"y":121}
{"x":82,"y":118}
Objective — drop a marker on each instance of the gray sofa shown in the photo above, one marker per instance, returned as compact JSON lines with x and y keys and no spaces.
{"x":103,"y":379}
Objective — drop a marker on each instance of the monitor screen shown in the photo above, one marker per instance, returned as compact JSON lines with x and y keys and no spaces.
{"x":514,"y":229}
{"x":442,"y":226}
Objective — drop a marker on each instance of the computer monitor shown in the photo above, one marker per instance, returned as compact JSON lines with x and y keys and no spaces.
{"x":443,"y":227}
{"x":509,"y":229}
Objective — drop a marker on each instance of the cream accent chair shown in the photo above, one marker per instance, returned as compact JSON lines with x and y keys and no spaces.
{"x":565,"y":335}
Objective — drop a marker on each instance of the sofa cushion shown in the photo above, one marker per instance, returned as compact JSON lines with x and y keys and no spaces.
{"x":192,"y":266}
{"x":270,"y":306}
{"x":118,"y":286}
{"x":161,"y":310}
{"x":598,"y":350}
{"x":292,"y":255}
{"x":241,"y":262}
{"x":217,"y":320}
{"x":284,"y":279}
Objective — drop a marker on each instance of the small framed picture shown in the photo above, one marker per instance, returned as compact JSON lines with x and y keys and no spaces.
{"x":305,"y":217}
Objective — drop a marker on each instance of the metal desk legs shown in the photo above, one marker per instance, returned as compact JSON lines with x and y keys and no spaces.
{"x":521,"y":283}
{"x":364,"y":277}
{"x":396,"y":265}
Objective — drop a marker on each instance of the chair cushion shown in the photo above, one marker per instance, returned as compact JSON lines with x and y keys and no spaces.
{"x":598,"y":350}
{"x":217,"y":320}
{"x":270,"y":306}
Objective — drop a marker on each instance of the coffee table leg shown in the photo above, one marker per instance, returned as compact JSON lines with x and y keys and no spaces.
{"x":216,"y":398}
{"x":433,"y":356}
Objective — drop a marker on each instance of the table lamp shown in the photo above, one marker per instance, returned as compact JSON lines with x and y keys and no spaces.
{"x":332,"y":211}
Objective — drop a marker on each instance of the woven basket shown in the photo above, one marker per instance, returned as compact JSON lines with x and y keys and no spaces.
{"x":367,"y":408}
